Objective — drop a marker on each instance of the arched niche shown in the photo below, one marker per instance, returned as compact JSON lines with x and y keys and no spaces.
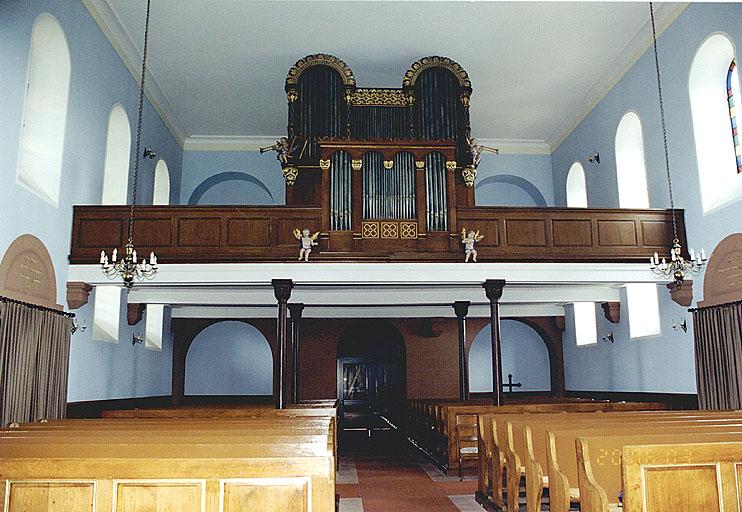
{"x":27,"y":273}
{"x":722,"y":282}
{"x":229,"y":358}
{"x":522,"y":192}
{"x":231,"y":187}
{"x":531,"y":351}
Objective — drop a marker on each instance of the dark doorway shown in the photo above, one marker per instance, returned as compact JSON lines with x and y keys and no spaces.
{"x":370,"y":376}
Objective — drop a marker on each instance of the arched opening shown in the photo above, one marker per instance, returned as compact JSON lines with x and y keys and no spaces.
{"x":371,"y":374}
{"x":525,"y":356}
{"x":118,"y":151}
{"x":508,"y":190}
{"x":161,"y":188}
{"x":45,"y":110}
{"x":229,"y":358}
{"x":576,"y":187}
{"x":231,"y":187}
{"x":631,"y":169}
{"x":708,"y":88}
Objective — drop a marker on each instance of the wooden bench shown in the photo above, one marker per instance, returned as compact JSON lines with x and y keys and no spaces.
{"x":191,"y":464}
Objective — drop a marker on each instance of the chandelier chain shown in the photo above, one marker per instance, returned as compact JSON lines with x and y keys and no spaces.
{"x":662,"y":119}
{"x":137,"y":155}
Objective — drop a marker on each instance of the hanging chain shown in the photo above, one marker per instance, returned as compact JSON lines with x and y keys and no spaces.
{"x":662,"y":118}
{"x":137,"y":155}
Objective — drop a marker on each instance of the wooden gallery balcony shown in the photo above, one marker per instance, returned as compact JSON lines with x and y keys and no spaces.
{"x":236,"y":234}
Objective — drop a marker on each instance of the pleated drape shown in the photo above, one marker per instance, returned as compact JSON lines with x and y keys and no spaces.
{"x":718,"y":345}
{"x":34,"y":362}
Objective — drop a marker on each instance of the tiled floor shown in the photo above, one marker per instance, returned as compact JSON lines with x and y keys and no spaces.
{"x":401,"y":483}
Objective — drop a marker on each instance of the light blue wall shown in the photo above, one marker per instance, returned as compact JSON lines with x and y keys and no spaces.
{"x":665,"y":363}
{"x":535,"y":169}
{"x":199,"y":166}
{"x":524,"y":355}
{"x":99,"y":79}
{"x":229,"y":358}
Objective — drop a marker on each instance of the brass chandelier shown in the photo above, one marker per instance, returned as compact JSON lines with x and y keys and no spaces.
{"x":678,"y":267}
{"x":128,"y":267}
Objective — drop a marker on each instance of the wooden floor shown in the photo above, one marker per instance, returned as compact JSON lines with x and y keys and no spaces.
{"x":385,"y":474}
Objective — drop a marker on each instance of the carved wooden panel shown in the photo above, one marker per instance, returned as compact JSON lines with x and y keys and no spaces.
{"x":248,"y":232}
{"x":286,"y":229}
{"x":525,"y":233}
{"x":286,"y":494}
{"x":490,"y":229}
{"x":199,"y":232}
{"x":27,"y":273}
{"x":617,"y":233}
{"x":653,"y":232}
{"x":50,"y":496}
{"x":572,"y":233}
{"x":153,"y":232}
{"x":722,"y":282}
{"x":136,"y":496}
{"x":101,"y":232}
{"x":661,"y":486}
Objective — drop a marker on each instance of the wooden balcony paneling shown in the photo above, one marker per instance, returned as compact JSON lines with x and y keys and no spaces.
{"x":223,"y":234}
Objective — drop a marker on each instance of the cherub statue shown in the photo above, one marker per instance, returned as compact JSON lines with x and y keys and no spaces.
{"x":306,"y":242}
{"x":282,"y":147}
{"x":476,"y":150}
{"x":470,"y":240}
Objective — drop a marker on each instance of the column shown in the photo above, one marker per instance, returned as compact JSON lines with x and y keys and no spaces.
{"x":295,"y":310}
{"x":325,"y":193}
{"x":282,"y":291}
{"x":461,"y":307}
{"x":451,"y":167}
{"x":356,"y":188}
{"x":493,"y":289}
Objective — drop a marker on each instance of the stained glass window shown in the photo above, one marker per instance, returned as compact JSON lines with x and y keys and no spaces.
{"x":733,"y":97}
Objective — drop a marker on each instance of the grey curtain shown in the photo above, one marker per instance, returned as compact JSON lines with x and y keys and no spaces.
{"x":34,"y":362}
{"x":718,"y":344}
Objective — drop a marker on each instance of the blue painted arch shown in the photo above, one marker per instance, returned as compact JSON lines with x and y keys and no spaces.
{"x":529,"y":188}
{"x":221,"y":177}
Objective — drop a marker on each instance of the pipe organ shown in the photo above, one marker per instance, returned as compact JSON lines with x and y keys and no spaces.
{"x":380,"y":162}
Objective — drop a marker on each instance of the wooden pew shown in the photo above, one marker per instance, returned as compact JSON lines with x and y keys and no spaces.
{"x":193,"y":464}
{"x":655,"y":477}
{"x":534,"y":459}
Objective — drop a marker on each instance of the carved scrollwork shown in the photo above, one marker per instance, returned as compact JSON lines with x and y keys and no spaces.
{"x":290,"y":173}
{"x":421,"y":65}
{"x":320,"y":59}
{"x":379,"y":98}
{"x":469,"y":173}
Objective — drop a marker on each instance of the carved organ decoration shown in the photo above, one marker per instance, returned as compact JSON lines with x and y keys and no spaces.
{"x":380,"y":161}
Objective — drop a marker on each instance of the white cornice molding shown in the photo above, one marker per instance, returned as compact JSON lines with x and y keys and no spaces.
{"x":254,"y":142}
{"x":665,"y":14}
{"x":122,"y":43}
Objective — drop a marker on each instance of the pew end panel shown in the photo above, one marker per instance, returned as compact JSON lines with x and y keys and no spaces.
{"x":697,"y":476}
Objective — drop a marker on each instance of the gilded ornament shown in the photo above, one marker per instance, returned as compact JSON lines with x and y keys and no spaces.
{"x":451,"y":165}
{"x":290,"y":173}
{"x":421,"y":65}
{"x":320,"y":59}
{"x":356,"y":164}
{"x":324,"y":164}
{"x":379,"y":98}
{"x":469,"y":173}
{"x":388,"y":164}
{"x":420,"y":164}
{"x":292,"y":95}
{"x":465,"y":99}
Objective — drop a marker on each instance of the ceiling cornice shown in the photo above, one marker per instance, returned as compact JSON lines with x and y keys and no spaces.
{"x":665,"y":14}
{"x":122,"y":42}
{"x":254,"y":142}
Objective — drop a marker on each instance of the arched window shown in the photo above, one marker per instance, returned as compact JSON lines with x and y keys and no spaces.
{"x":45,"y":110}
{"x":631,"y":170}
{"x":708,"y":87}
{"x":733,"y":96}
{"x":161,"y":191}
{"x":118,"y":151}
{"x":576,"y":189}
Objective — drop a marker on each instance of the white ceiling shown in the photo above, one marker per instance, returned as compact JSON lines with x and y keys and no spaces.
{"x":536,"y":67}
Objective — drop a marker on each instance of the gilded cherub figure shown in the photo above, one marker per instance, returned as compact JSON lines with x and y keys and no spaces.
{"x":306,"y":242}
{"x":470,"y":240}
